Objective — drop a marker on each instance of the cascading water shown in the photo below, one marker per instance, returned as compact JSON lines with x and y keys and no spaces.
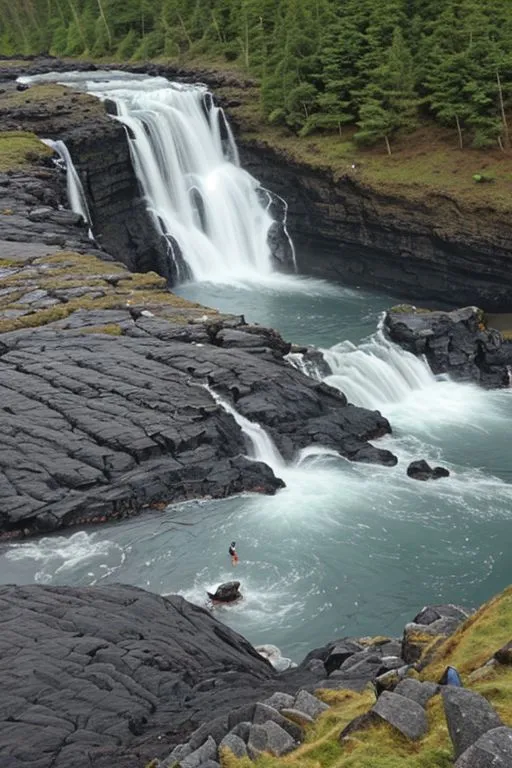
{"x":261,"y":445}
{"x":76,"y":195}
{"x":198,"y":195}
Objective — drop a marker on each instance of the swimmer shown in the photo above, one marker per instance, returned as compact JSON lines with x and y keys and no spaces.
{"x":232,"y":553}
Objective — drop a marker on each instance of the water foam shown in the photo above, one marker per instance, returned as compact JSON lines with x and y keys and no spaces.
{"x":58,"y":557}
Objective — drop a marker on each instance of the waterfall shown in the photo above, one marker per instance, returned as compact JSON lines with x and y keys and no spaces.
{"x":76,"y":195}
{"x":371,"y":375}
{"x":186,"y":160}
{"x":261,"y":446}
{"x":213,"y":214}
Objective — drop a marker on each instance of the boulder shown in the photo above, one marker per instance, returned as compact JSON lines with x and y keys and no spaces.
{"x":504,"y":655}
{"x":263,"y":714}
{"x":296,"y":716}
{"x":431,"y":613}
{"x":417,"y":691}
{"x":256,"y":741}
{"x":235,"y":744}
{"x":226,"y":593}
{"x":279,"y":700}
{"x":421,"y":470}
{"x":279,"y":741}
{"x":404,"y":714}
{"x":309,"y":704}
{"x":492,"y":750}
{"x":208,"y":751}
{"x":468,"y":716}
{"x":360,"y":723}
{"x":340,"y":653}
{"x":431,"y":622}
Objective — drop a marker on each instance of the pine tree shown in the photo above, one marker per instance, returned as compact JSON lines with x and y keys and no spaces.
{"x":390,"y":103}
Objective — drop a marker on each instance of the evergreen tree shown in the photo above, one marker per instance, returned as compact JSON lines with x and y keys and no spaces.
{"x":390,"y":103}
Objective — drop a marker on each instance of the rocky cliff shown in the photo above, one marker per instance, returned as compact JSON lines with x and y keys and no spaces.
{"x":95,"y":677}
{"x":434,"y":251}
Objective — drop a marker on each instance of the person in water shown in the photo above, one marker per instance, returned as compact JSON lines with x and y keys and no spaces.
{"x":233,"y":554}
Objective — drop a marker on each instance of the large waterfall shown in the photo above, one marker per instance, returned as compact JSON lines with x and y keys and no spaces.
{"x":214,"y":215}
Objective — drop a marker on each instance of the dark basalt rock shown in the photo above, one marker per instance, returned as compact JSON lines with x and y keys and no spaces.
{"x":468,"y":716}
{"x":110,"y":676}
{"x":226,"y":593}
{"x":457,"y":343}
{"x":421,"y":470}
{"x":345,"y":231}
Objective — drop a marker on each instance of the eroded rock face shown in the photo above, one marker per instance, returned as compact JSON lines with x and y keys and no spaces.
{"x":345,"y":231}
{"x":457,"y":343}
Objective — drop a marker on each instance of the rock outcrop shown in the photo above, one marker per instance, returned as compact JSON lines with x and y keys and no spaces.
{"x":458,"y":343}
{"x":99,"y":676}
{"x":421,"y":470}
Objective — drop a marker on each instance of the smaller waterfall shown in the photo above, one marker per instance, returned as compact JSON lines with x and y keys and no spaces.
{"x":261,"y":445}
{"x":76,"y":195}
{"x":371,"y":375}
{"x":376,"y":372}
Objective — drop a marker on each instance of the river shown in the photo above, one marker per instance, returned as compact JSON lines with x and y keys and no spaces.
{"x":344,"y":549}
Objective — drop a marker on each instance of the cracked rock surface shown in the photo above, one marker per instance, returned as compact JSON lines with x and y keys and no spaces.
{"x":97,"y":425}
{"x":111,"y":676}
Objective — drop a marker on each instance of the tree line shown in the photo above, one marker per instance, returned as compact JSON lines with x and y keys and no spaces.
{"x":377,"y":65}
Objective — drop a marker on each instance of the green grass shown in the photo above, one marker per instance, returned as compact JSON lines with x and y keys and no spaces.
{"x":19,"y":149}
{"x":122,"y":289}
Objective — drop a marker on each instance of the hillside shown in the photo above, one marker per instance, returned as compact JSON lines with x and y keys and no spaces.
{"x":381,"y":746}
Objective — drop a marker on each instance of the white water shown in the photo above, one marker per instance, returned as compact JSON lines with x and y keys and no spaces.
{"x":76,"y":195}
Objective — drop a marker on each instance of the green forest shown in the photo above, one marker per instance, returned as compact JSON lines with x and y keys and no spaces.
{"x":377,"y":65}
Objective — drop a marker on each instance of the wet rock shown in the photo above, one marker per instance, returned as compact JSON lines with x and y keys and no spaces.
{"x":457,"y":343}
{"x":492,"y":750}
{"x":468,"y":716}
{"x":226,"y":593}
{"x":421,"y":470}
{"x":404,"y":714}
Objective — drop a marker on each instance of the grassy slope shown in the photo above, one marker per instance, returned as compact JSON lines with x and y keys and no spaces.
{"x":381,"y":747}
